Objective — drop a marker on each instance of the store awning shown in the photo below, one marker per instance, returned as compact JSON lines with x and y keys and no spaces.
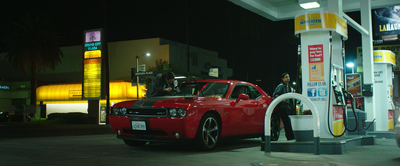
{"x":73,"y":92}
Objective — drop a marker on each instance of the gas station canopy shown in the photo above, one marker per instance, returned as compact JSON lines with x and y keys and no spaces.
{"x":277,"y":10}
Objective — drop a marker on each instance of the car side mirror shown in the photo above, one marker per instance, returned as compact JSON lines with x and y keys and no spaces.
{"x":241,"y":96}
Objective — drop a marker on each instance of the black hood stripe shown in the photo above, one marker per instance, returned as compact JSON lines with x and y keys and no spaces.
{"x":150,"y":101}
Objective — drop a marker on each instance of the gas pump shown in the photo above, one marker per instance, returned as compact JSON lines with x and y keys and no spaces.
{"x":337,"y":114}
{"x":322,"y":35}
{"x":384,"y":60}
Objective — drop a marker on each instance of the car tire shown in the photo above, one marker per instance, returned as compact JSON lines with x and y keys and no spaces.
{"x":133,"y":143}
{"x":275,"y":127}
{"x":208,"y":132}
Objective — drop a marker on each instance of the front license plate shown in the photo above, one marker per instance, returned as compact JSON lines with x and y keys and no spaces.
{"x":138,"y":125}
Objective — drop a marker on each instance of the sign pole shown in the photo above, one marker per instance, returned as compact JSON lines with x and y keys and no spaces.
{"x":137,"y":77}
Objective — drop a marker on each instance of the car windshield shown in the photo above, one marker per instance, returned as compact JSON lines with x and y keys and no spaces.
{"x":209,"y":89}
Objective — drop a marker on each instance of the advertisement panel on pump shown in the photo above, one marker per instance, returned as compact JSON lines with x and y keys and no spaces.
{"x":353,"y":84}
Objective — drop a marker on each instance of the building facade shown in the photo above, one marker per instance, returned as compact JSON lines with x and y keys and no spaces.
{"x":60,"y":90}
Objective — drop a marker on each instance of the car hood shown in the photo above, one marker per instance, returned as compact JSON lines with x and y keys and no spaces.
{"x":169,"y":101}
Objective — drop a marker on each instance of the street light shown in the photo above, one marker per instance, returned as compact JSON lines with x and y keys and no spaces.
{"x":137,"y":71}
{"x":352,"y":67}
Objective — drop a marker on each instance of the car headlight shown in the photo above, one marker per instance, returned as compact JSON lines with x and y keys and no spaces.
{"x":115,"y":110}
{"x":123,"y":111}
{"x":174,"y":112}
{"x":119,"y":111}
{"x":182,"y":112}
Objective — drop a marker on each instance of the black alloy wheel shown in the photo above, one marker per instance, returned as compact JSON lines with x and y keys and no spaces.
{"x":208,"y":132}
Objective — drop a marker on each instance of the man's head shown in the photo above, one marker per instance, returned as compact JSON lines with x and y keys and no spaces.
{"x":169,"y":76}
{"x":285,"y":78}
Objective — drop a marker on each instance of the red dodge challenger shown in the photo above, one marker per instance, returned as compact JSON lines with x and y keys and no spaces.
{"x":202,"y":112}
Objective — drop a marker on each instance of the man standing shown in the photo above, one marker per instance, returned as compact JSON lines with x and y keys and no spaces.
{"x":159,"y":84}
{"x":286,"y":106}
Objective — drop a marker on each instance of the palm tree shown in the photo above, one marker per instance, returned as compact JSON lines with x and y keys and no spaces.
{"x":31,"y":46}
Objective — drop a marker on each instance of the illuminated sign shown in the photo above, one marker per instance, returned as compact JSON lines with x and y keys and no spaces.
{"x":93,"y":36}
{"x":386,"y":22}
{"x":75,"y":94}
{"x":384,"y":56}
{"x":92,"y":54}
{"x":4,"y":87}
{"x":144,"y":73}
{"x":322,"y":21}
{"x":393,"y":48}
{"x":213,"y":72}
{"x":93,"y":46}
{"x":92,"y":78}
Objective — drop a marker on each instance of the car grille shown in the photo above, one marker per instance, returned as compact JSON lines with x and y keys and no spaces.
{"x":145,"y":133}
{"x":152,"y":112}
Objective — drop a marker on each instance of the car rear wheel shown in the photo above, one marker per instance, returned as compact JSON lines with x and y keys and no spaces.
{"x":134,"y":143}
{"x":275,"y":127}
{"x":208,"y":132}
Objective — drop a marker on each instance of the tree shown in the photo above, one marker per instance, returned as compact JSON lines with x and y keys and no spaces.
{"x":31,"y":46}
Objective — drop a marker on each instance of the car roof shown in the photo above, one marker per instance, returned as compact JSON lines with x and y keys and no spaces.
{"x":234,"y":82}
{"x":220,"y":81}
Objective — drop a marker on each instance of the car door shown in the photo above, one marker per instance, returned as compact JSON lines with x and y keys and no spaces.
{"x":244,"y":110}
{"x":256,"y":116}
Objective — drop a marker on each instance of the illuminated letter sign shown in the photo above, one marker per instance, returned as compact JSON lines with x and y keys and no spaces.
{"x":92,"y":65}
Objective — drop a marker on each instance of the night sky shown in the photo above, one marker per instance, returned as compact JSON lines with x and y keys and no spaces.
{"x":255,"y":47}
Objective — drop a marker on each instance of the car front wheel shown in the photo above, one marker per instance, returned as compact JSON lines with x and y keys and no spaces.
{"x":134,"y":143}
{"x":208,"y":132}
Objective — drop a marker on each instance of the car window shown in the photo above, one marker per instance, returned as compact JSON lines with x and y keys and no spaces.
{"x":239,"y":89}
{"x":254,"y":93}
{"x":190,"y":89}
{"x":215,"y":89}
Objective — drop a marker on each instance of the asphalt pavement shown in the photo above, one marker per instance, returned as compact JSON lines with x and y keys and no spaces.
{"x":385,"y":152}
{"x":45,"y":129}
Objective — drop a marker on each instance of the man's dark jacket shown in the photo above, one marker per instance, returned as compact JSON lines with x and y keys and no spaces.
{"x":156,"y":87}
{"x":282,"y":89}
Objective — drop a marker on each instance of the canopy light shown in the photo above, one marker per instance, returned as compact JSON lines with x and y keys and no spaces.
{"x":309,"y":4}
{"x":350,"y":65}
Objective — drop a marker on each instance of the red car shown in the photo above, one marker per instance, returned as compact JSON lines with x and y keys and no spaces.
{"x":203,"y":111}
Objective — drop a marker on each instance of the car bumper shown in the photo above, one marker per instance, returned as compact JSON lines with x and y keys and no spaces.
{"x":158,"y":129}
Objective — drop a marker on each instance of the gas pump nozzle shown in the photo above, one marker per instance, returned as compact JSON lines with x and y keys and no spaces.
{"x":348,"y":97}
{"x":338,"y":96}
